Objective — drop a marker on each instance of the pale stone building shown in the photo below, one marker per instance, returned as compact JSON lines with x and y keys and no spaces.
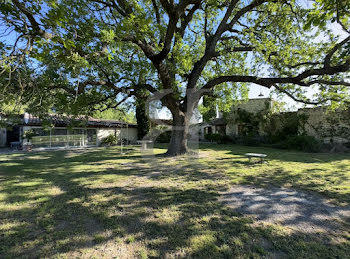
{"x":255,"y":117}
{"x":228,"y":125}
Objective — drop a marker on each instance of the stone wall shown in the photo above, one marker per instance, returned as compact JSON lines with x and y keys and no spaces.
{"x":326,"y":125}
{"x":319,"y":122}
{"x":256,"y":105}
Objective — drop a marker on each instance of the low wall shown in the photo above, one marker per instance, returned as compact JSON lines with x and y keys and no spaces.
{"x":328,"y":125}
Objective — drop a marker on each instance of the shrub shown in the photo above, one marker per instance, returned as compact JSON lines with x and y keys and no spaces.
{"x":214,"y":137}
{"x":303,"y":142}
{"x":250,"y":141}
{"x":220,"y":139}
{"x":164,"y":137}
{"x":225,"y":139}
{"x":109,"y":140}
{"x":29,"y":134}
{"x":347,"y":144}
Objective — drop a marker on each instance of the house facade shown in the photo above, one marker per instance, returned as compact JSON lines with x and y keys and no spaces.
{"x":230,"y":124}
{"x":64,"y":132}
{"x":256,"y":118}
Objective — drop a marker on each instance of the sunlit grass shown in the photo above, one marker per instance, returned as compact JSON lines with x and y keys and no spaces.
{"x":99,"y":203}
{"x":328,"y":174}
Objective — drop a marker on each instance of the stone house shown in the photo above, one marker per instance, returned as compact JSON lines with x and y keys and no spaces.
{"x":229,"y":124}
{"x":257,"y":118}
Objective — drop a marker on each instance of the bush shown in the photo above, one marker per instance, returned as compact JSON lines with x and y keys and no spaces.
{"x":109,"y":140}
{"x":225,"y":139}
{"x":164,"y":137}
{"x":303,"y":142}
{"x":347,"y":145}
{"x":29,"y":134}
{"x":276,"y":139}
{"x":250,"y":141}
{"x":214,"y":137}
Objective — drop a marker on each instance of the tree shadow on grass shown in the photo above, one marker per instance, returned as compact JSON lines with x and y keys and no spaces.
{"x":143,"y":210}
{"x":280,"y":177}
{"x":301,"y":211}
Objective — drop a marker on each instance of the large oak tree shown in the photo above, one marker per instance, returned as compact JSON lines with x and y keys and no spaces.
{"x":86,"y":55}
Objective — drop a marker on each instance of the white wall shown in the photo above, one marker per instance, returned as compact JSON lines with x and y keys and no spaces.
{"x":103,"y":133}
{"x":129,"y":134}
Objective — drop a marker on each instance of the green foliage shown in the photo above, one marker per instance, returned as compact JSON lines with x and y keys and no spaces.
{"x":249,"y":122}
{"x":29,"y":134}
{"x":328,"y":10}
{"x":219,"y":138}
{"x":250,"y":140}
{"x":281,"y":126}
{"x":302,"y":142}
{"x":142,"y":117}
{"x":83,"y":56}
{"x":208,"y":108}
{"x":110,"y":140}
{"x":164,"y":137}
{"x":284,"y":130}
{"x":213,"y":137}
{"x":115,"y":114}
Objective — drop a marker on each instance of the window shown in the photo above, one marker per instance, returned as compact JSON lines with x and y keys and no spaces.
{"x":76,"y":137}
{"x":91,"y":136}
{"x":41,"y":137}
{"x":62,"y":137}
{"x":58,"y":137}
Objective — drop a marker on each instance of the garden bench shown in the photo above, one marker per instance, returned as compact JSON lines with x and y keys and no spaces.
{"x":251,"y":155}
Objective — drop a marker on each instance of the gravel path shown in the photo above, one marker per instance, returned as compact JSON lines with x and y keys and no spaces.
{"x":301,"y":211}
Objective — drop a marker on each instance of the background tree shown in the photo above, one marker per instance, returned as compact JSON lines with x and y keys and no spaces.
{"x":208,"y":108}
{"x":142,"y":113}
{"x":92,"y":53}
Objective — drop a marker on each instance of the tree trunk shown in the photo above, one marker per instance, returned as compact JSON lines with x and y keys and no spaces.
{"x":142,"y":118}
{"x":179,"y":134}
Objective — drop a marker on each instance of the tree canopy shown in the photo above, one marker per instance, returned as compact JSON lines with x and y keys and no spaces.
{"x":79,"y":56}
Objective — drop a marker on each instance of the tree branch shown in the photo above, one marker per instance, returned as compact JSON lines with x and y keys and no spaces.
{"x":34,"y":24}
{"x":327,"y":59}
{"x":270,"y":81}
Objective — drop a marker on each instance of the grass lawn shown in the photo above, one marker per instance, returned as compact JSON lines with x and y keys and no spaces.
{"x":98,"y":203}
